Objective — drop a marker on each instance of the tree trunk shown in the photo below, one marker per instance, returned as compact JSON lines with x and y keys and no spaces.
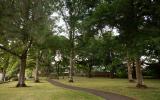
{"x":89,"y":72}
{"x":139,"y":74}
{"x":112,"y":72}
{"x":57,"y":70}
{"x":130,"y":78}
{"x":133,"y":70}
{"x":36,"y":77}
{"x":71,"y":67}
{"x":4,"y":70}
{"x":63,"y":72}
{"x":3,"y":75}
{"x":21,"y":79}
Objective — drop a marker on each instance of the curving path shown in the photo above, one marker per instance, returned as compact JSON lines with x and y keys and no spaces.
{"x":105,"y":95}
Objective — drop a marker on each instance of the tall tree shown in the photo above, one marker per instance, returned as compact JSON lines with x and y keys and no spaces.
{"x":24,"y":18}
{"x":135,"y":21}
{"x":70,"y":10}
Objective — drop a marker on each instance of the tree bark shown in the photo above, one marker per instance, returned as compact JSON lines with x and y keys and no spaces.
{"x":71,"y":67}
{"x":36,"y":77}
{"x":139,"y":74}
{"x":130,"y":78}
{"x":133,"y":70}
{"x":21,"y":79}
{"x":89,"y":72}
{"x":4,"y":69}
{"x":57,"y":70}
{"x":3,"y":75}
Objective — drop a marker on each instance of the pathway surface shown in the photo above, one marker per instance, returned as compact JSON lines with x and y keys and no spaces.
{"x":105,"y":95}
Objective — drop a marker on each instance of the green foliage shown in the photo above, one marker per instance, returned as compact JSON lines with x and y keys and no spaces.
{"x":29,"y":73}
{"x":121,"y":72}
{"x":12,"y":70}
{"x":57,"y":43}
{"x":26,"y":27}
{"x":135,"y":20}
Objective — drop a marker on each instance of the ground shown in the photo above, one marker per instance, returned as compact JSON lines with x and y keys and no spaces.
{"x":119,"y":86}
{"x":47,"y":91}
{"x":41,"y":91}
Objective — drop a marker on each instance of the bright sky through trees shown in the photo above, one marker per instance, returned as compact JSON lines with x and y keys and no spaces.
{"x":60,"y":23}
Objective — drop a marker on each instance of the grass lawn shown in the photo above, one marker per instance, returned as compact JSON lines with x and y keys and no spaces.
{"x":41,"y":91}
{"x":120,"y":86}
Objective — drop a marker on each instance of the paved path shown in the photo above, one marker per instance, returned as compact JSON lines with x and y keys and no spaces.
{"x":105,"y":95}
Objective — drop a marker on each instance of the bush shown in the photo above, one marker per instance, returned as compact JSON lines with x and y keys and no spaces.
{"x":121,"y":72}
{"x":153,"y":71}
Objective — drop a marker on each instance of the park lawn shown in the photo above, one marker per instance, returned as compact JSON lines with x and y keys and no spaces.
{"x":119,"y":86}
{"x":41,"y":91}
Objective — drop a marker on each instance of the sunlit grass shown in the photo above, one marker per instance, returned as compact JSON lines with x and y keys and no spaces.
{"x":41,"y":91}
{"x":120,"y":86}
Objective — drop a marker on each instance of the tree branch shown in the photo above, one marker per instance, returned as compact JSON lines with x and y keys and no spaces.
{"x":27,"y":47}
{"x":9,"y":51}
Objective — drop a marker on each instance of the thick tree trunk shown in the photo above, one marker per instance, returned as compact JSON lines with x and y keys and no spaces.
{"x":130,"y":78}
{"x":139,"y":74}
{"x":71,"y":67}
{"x":36,"y":77}
{"x":21,"y":79}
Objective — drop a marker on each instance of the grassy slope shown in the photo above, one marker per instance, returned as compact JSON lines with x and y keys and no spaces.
{"x":41,"y":91}
{"x":120,"y":86}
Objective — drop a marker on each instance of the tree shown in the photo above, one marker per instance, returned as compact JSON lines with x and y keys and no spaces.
{"x":71,"y":17}
{"x":25,"y":19}
{"x":89,"y":54}
{"x":134,"y":19}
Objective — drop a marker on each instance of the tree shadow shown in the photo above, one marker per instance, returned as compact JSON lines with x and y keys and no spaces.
{"x":21,"y":87}
{"x":148,"y":88}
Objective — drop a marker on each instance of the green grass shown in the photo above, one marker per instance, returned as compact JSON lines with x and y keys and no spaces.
{"x":119,"y":86}
{"x":41,"y":91}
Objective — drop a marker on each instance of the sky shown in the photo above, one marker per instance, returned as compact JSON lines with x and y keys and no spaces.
{"x":60,"y":23}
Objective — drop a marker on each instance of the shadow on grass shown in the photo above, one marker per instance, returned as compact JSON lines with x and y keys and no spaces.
{"x":148,"y":88}
{"x":39,"y":82}
{"x":20,"y":87}
{"x":5,"y":82}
